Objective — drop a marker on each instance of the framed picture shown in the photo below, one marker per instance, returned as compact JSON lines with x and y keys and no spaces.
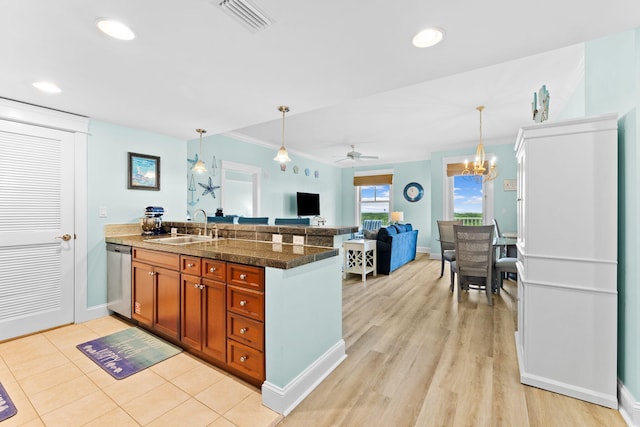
{"x":143,"y":172}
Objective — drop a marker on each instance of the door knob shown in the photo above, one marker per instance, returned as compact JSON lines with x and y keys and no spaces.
{"x":64,"y":237}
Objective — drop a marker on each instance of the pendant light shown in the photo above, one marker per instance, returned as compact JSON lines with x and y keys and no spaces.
{"x":199,"y":166}
{"x":282,"y":156}
{"x":479,"y":170}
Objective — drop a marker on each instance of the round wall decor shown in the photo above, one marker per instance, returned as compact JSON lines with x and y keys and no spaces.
{"x":413,"y":192}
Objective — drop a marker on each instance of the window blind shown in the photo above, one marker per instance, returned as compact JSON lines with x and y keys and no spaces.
{"x":360,"y":181}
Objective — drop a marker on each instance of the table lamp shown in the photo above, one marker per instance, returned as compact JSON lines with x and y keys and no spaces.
{"x":396,"y":217}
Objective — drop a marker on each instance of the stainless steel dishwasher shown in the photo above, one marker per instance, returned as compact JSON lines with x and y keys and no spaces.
{"x":119,"y":279}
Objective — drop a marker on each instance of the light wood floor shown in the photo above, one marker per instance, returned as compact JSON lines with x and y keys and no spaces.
{"x":417,"y":358}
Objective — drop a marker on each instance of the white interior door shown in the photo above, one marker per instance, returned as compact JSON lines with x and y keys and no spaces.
{"x":36,"y":228}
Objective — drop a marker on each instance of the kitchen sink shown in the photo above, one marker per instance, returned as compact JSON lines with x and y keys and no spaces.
{"x":181,"y":240}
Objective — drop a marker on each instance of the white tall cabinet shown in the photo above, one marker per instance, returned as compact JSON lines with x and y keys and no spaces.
{"x":567,"y":257}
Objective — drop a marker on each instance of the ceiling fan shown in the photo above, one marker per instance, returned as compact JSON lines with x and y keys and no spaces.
{"x":355,"y":156}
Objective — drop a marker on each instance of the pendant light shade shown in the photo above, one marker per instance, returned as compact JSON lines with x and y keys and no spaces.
{"x":283,"y":155}
{"x":199,"y":166}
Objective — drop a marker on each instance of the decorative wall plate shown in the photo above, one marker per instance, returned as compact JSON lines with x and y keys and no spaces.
{"x":413,"y":192}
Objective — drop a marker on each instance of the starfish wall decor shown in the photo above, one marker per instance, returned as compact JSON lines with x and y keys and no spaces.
{"x":209,"y":189}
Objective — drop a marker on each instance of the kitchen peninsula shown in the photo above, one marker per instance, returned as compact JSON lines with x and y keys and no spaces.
{"x":275,"y":308}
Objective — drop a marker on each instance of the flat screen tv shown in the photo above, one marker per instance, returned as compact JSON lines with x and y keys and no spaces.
{"x":308,"y":204}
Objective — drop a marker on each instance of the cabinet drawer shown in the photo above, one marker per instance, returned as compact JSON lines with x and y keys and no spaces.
{"x":214,"y":269}
{"x":190,"y":265}
{"x":246,"y":276}
{"x":245,"y":359}
{"x":246,"y":331}
{"x":162,"y":259}
{"x":246,"y":302}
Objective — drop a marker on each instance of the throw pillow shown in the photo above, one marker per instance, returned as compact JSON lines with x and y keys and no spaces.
{"x":370,"y":234}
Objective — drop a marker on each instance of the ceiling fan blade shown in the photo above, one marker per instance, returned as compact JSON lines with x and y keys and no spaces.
{"x":342,"y":160}
{"x":369,"y":157}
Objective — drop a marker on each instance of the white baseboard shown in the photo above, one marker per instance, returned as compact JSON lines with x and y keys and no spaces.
{"x":91,"y":313}
{"x":629,"y":407}
{"x":423,"y":249}
{"x":284,"y":400}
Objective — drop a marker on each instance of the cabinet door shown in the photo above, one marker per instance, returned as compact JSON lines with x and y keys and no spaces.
{"x":192,"y":301}
{"x":167,"y":302}
{"x":142,"y":282}
{"x":215,"y":317}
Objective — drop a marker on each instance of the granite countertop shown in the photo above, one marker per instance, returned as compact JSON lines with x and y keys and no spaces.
{"x":257,"y":253}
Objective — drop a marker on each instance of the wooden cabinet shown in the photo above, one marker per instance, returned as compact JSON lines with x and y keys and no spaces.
{"x":213,"y":307}
{"x":245,"y":320}
{"x":204,"y":308}
{"x":567,"y":257}
{"x":156,"y":290}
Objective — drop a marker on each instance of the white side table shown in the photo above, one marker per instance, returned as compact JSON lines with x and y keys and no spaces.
{"x":359,"y":257}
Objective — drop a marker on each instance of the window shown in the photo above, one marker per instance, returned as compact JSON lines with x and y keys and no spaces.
{"x":464,"y":195}
{"x":374,"y":202}
{"x":467,"y":200}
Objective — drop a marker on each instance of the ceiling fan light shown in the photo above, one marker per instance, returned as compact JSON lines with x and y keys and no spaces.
{"x":428,"y":37}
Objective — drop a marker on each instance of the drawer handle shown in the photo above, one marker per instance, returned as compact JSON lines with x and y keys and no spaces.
{"x":201,"y":286}
{"x":195,"y":285}
{"x":243,"y":331}
{"x":191,"y":265}
{"x":243,"y":358}
{"x":151,"y":273}
{"x":212,"y":270}
{"x":243,"y":276}
{"x":243,"y":303}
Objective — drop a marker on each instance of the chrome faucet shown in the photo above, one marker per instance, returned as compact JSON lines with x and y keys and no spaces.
{"x":205,"y":219}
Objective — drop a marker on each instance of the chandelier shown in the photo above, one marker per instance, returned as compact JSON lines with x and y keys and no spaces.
{"x":282,"y":155}
{"x":481,"y":170}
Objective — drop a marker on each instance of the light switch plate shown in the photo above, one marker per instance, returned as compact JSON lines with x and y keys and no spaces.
{"x":298,"y":240}
{"x":102,"y":212}
{"x":276,"y":238}
{"x":510,"y":185}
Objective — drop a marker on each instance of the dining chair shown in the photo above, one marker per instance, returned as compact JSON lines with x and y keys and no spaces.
{"x":502,"y":267}
{"x":292,"y":221}
{"x":447,"y":246}
{"x":253,"y":220}
{"x":474,"y":258}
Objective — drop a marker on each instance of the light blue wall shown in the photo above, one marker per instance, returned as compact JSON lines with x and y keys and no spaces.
{"x":504,"y":201}
{"x":612,"y":82}
{"x":108,"y":145}
{"x":303,"y":308}
{"x":417,"y":213}
{"x":278,"y":188}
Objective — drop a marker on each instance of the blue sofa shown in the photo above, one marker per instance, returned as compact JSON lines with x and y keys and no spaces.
{"x":396,"y":245}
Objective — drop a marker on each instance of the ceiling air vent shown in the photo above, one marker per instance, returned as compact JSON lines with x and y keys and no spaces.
{"x":247,"y":14}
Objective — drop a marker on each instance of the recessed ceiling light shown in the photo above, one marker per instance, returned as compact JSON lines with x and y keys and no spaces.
{"x":47,"y":87}
{"x":428,"y":37}
{"x":115,"y":29}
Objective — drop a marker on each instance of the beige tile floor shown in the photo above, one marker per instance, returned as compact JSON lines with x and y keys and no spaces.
{"x":53,"y":384}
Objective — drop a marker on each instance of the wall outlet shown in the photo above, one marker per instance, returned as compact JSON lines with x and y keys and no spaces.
{"x":102,"y":212}
{"x":298,"y":240}
{"x":276,"y":238}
